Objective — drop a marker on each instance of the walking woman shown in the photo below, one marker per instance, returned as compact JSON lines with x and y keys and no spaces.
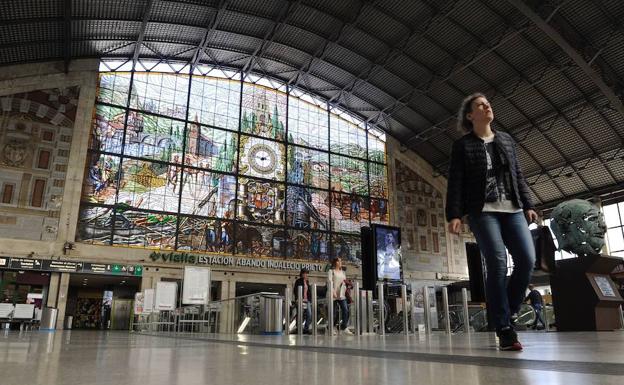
{"x":339,"y":295}
{"x":486,"y":184}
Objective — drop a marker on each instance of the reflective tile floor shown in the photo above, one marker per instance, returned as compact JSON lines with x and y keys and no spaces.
{"x":119,"y":358}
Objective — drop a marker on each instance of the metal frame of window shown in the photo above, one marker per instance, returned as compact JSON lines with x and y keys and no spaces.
{"x":331,"y":235}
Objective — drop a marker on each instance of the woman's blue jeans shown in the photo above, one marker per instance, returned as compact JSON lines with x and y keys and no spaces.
{"x":344,"y":313}
{"x":495,"y":232}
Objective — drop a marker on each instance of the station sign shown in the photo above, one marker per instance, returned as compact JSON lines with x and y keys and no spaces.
{"x":25,"y":264}
{"x":61,"y":266}
{"x":217,"y":260}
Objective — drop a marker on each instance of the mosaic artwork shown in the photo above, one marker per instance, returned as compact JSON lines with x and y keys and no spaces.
{"x":422,"y":221}
{"x":36,"y":132}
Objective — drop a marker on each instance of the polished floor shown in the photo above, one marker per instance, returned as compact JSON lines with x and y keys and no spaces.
{"x":119,"y":358}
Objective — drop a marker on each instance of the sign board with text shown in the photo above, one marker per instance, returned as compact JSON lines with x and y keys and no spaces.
{"x":196,"y":286}
{"x":64,"y":266}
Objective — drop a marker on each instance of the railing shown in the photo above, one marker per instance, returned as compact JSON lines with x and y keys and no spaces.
{"x":270,"y":313}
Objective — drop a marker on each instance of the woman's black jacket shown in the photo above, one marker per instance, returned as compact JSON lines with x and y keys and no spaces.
{"x":467,"y":175}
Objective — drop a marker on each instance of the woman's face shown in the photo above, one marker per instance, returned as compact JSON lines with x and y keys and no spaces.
{"x":389,"y":239}
{"x":338,"y":263}
{"x":481,"y":111}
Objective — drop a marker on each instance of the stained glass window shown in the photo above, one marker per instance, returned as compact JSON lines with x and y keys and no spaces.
{"x":348,"y":175}
{"x":207,"y":193}
{"x":100,"y":180}
{"x":149,"y":186}
{"x":203,"y":234}
{"x":114,"y":87}
{"x":95,"y":225}
{"x":377,"y":147}
{"x":308,"y":167}
{"x":143,"y":229}
{"x":164,"y":94}
{"x":154,"y":137}
{"x":263,"y":112}
{"x":260,"y":201}
{"x":307,"y":124}
{"x":347,"y":138}
{"x":378,"y":180}
{"x":108,"y":129}
{"x":308,"y":208}
{"x":215,"y":102}
{"x":262,"y":158}
{"x":349,"y":212}
{"x":232,"y":167}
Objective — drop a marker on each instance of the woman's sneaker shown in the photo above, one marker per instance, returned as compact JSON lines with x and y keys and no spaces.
{"x":508,"y":340}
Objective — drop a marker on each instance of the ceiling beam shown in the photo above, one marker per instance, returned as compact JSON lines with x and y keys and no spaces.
{"x":139,"y":42}
{"x":268,"y":38}
{"x":572,"y":53}
{"x":67,"y":35}
{"x":212,"y":26}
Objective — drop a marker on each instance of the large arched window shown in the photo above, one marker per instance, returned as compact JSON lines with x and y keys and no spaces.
{"x":210,"y":162}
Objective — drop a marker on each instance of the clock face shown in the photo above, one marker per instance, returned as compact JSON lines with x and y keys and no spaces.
{"x":262,"y":158}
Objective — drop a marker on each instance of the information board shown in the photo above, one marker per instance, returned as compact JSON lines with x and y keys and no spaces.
{"x":24,"y":311}
{"x":165,"y":298}
{"x":138,"y":303}
{"x":604,"y":285}
{"x":55,"y":265}
{"x":6,"y":309}
{"x":61,"y":266}
{"x":25,"y":264}
{"x":196,"y":286}
{"x":148,"y":301}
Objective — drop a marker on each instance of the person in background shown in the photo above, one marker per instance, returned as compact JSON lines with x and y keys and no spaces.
{"x":486,"y":183}
{"x":339,"y":295}
{"x":537,"y":303}
{"x":307,"y":296}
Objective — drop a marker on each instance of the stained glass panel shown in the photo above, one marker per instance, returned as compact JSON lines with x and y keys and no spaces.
{"x":114,"y":88}
{"x":100,"y":181}
{"x":262,"y":158}
{"x":202,"y":234}
{"x":207,"y":193}
{"x":94,"y":225}
{"x":348,"y":175}
{"x":149,"y":186}
{"x":308,"y":167}
{"x":184,"y":161}
{"x":164,"y":94}
{"x":211,"y":148}
{"x":215,"y":102}
{"x":142,"y":229}
{"x":376,"y":148}
{"x":307,"y":208}
{"x":307,"y":124}
{"x":260,"y":201}
{"x":108,"y":128}
{"x":347,"y":247}
{"x":379,"y":211}
{"x":346,"y":138}
{"x":349,"y":212}
{"x":378,"y":180}
{"x":263,"y":112}
{"x":307,"y":245}
{"x":154,"y":137}
{"x":256,"y":240}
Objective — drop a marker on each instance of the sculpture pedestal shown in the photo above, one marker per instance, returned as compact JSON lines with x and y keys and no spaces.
{"x":584,"y":296}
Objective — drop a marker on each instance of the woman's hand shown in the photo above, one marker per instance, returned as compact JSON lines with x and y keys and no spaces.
{"x":531,"y":216}
{"x":454,"y":226}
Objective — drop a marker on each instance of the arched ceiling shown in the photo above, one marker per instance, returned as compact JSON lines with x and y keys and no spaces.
{"x":553,"y":70}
